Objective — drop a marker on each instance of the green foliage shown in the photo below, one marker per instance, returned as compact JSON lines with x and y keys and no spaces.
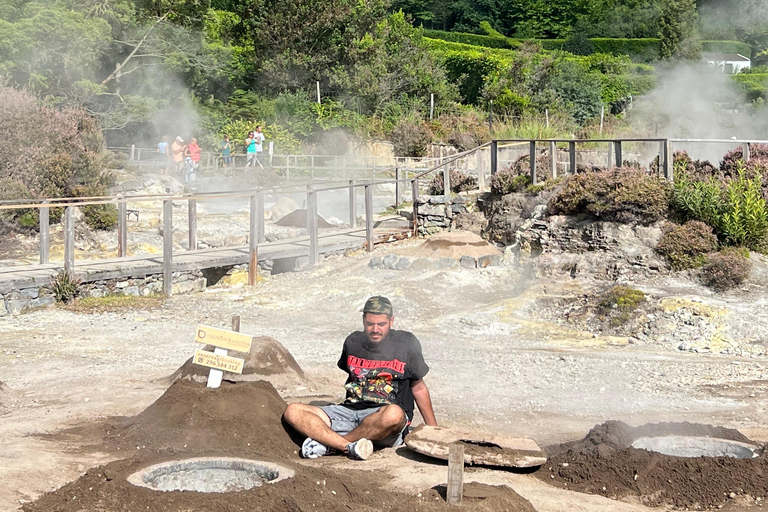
{"x":65,"y":286}
{"x":686,"y":246}
{"x":619,"y":302}
{"x":726,"y":269}
{"x":679,"y":37}
{"x":508,"y":180}
{"x":620,"y":194}
{"x":736,"y":210}
{"x":579,"y":44}
{"x":100,"y":216}
{"x":754,"y":86}
{"x":726,"y":47}
{"x":410,"y":138}
{"x":579,"y":90}
{"x":473,"y":39}
{"x":460,"y":182}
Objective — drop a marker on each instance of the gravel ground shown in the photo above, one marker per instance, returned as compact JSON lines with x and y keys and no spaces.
{"x":490,"y":369}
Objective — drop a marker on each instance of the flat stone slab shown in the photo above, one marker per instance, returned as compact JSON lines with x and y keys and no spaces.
{"x":488,"y":450}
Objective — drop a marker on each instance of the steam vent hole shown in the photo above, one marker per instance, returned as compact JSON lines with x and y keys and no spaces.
{"x":209,"y":474}
{"x":690,"y":446}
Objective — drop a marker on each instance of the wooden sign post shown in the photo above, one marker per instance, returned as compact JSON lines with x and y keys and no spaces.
{"x":218,"y":360}
{"x":455,"y":488}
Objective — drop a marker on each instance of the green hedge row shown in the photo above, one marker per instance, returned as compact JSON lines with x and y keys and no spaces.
{"x":473,"y":39}
{"x":439,"y":45}
{"x":642,"y":50}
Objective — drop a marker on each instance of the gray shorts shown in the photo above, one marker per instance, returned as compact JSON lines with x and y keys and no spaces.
{"x":345,"y":419}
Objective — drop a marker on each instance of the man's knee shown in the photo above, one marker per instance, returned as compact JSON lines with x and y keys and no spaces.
{"x":392,"y":416}
{"x":291,"y":412}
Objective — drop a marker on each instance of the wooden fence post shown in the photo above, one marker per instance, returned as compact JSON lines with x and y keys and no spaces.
{"x":553,"y":158}
{"x":192,"y":207}
{"x":455,"y":487}
{"x":369,"y":217}
{"x":69,"y":238}
{"x":168,"y":247}
{"x":619,"y":156}
{"x":745,"y":152}
{"x":669,"y":162}
{"x":609,"y":164}
{"x":446,"y":183}
{"x":532,"y":155}
{"x":133,"y":152}
{"x":122,"y":227}
{"x":415,"y":199}
{"x":494,"y":157}
{"x":253,"y":242}
{"x":352,"y":204}
{"x":45,"y":239}
{"x":314,"y":249}
{"x":572,"y":155}
{"x":397,"y":187}
{"x":260,"y":217}
{"x":480,"y":170}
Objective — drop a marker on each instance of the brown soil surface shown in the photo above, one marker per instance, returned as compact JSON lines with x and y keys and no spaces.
{"x":453,"y":244}
{"x":243,"y":420}
{"x":298,"y":219}
{"x":267,"y":360}
{"x":604,"y":463}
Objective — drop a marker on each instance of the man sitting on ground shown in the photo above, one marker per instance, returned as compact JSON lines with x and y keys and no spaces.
{"x":385,"y":369}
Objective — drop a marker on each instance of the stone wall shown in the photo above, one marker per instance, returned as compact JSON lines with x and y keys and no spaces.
{"x":13,"y":303}
{"x":435,"y":214}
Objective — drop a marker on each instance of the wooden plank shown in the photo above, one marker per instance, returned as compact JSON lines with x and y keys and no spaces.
{"x":253,"y":242}
{"x":69,"y":238}
{"x":455,"y":487}
{"x":572,"y":156}
{"x":415,"y":199}
{"x":219,"y":361}
{"x":168,"y":248}
{"x":122,"y":228}
{"x":192,"y":214}
{"x":352,"y":204}
{"x":45,"y":240}
{"x":619,"y":156}
{"x":222,"y":338}
{"x":369,"y":217}
{"x":553,"y":158}
{"x":397,"y":187}
{"x":532,"y":156}
{"x":489,"y":450}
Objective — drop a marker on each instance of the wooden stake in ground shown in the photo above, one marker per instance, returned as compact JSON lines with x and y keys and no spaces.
{"x":455,"y":488}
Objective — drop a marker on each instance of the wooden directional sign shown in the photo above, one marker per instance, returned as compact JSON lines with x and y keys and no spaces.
{"x":218,"y":361}
{"x":229,"y":340}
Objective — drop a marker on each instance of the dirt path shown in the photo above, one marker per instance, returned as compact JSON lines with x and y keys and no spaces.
{"x":489,"y":370}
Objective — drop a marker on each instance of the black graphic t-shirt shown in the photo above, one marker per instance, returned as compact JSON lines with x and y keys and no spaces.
{"x":381,"y":373}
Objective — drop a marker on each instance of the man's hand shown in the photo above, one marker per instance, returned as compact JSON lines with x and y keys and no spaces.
{"x":423,"y":402}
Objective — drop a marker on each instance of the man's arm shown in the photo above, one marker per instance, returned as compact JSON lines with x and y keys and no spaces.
{"x":423,"y":402}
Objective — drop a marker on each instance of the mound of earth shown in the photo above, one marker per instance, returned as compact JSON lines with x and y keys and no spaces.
{"x":267,"y":360}
{"x":236,"y":420}
{"x":605,"y":463}
{"x":283,"y":206}
{"x":452,"y":244}
{"x":298,"y":219}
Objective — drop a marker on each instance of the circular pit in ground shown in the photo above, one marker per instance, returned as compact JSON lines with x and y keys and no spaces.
{"x":209,"y":474}
{"x":693,"y":446}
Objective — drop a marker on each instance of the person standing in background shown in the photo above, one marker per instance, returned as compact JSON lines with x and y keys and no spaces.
{"x":226,"y":154}
{"x":177,"y":153}
{"x":259,"y":138}
{"x":164,"y":154}
{"x":193,"y":152}
{"x":250,"y":149}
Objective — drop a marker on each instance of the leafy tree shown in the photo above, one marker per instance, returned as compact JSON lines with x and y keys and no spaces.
{"x":579,"y":90}
{"x":679,"y":31}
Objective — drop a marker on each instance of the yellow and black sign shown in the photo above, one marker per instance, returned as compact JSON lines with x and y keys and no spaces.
{"x":224,"y":363}
{"x":229,"y":340}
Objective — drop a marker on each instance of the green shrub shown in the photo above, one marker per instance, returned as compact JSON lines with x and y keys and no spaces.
{"x":460,"y":182}
{"x":733,"y":160}
{"x":100,"y":216}
{"x":410,"y":138}
{"x":473,"y":39}
{"x":727,"y":268}
{"x":735,"y":208}
{"x":508,"y":180}
{"x":686,"y":246}
{"x":727,"y":47}
{"x":619,"y":303}
{"x":579,"y":44}
{"x":64,"y":285}
{"x":619,"y":194}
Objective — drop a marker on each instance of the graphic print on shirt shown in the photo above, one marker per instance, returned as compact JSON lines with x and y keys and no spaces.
{"x":373,"y":381}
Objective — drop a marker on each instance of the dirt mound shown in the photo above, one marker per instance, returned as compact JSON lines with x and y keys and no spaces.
{"x":298,"y":219}
{"x":245,"y":415}
{"x":453,"y":244}
{"x":604,"y":463}
{"x":477,"y":497}
{"x":267,"y":360}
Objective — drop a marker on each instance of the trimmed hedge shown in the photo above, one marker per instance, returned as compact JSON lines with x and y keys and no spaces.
{"x":438,"y":45}
{"x":473,"y":39}
{"x":641,"y":49}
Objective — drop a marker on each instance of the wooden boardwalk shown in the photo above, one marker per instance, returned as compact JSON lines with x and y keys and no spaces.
{"x":31,"y":276}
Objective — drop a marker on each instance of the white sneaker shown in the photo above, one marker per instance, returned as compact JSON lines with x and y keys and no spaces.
{"x":312,"y":449}
{"x":360,"y":449}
